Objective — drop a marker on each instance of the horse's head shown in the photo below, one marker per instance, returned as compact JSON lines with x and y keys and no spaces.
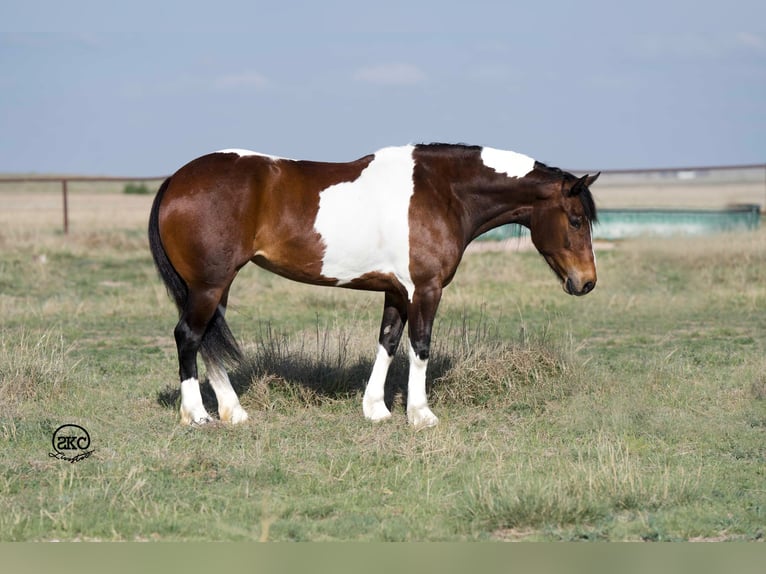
{"x":561,"y":231}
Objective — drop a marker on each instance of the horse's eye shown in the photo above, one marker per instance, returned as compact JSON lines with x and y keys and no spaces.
{"x":575,"y":222}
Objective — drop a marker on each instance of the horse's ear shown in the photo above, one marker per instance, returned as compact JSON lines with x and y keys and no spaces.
{"x":578,"y":186}
{"x":583,"y":183}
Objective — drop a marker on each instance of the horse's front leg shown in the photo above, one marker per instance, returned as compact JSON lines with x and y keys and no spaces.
{"x":391,"y":328}
{"x":422,"y":310}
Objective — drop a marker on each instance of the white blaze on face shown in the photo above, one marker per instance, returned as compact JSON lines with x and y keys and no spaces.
{"x":510,"y":163}
{"x":365,"y":223}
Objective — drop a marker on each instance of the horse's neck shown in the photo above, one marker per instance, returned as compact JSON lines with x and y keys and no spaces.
{"x":487,"y":207}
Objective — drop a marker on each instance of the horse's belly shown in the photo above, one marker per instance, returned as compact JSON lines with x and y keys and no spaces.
{"x":349,"y":257}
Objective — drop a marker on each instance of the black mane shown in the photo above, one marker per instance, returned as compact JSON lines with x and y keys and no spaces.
{"x":586,"y":197}
{"x":439,"y":146}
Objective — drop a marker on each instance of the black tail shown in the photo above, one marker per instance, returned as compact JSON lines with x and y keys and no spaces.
{"x":175,"y":284}
{"x":218,"y":342}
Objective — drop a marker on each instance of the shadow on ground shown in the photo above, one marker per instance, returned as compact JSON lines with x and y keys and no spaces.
{"x":318,"y":376}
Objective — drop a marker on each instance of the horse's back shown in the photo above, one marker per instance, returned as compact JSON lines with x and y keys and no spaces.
{"x":219,"y":174}
{"x":227,"y":172}
{"x":237,"y":206}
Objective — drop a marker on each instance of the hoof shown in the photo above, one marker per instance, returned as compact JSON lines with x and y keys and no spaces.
{"x":422,"y":418}
{"x":375,"y":411}
{"x":199,"y":422}
{"x":195,"y":419}
{"x":234,"y":416}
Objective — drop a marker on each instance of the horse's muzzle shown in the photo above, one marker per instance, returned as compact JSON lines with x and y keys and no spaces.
{"x":572,"y":289}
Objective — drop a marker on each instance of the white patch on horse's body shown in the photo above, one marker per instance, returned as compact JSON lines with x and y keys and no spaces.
{"x":373,"y":404}
{"x":364,"y":223}
{"x":192,"y":410}
{"x":248,"y":153}
{"x":510,"y":163}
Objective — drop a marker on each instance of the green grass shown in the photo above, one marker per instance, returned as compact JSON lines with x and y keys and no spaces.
{"x":635,"y":413}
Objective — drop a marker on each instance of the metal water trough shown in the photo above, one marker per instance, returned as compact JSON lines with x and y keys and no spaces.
{"x":624,"y":223}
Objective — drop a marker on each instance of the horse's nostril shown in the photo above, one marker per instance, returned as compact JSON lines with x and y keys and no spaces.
{"x":588,"y":287}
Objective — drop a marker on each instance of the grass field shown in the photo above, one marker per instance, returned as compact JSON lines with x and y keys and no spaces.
{"x":635,"y":413}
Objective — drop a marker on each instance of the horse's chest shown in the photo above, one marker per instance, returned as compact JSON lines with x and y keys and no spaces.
{"x":364,"y":224}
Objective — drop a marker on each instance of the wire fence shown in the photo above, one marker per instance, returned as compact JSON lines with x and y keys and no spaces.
{"x":105,"y":202}
{"x":94,"y":201}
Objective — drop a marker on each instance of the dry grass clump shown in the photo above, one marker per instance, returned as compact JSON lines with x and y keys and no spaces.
{"x":758,"y":388}
{"x":309,"y":369}
{"x":475,"y":365}
{"x":525,"y":375}
{"x":31,"y":366}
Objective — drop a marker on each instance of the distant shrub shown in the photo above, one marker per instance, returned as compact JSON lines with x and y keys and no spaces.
{"x":135,"y":189}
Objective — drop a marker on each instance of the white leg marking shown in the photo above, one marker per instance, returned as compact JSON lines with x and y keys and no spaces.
{"x":418,"y":413}
{"x":192,"y":410}
{"x":229,"y":409}
{"x":373,"y":405}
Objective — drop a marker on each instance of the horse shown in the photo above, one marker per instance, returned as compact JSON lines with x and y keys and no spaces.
{"x":396,"y":221}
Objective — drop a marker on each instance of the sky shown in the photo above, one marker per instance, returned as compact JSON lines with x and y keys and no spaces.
{"x":140,"y":88}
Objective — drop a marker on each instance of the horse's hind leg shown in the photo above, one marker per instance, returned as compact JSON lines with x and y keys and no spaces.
{"x":229,"y":409}
{"x":391,"y":328}
{"x":201,"y":305}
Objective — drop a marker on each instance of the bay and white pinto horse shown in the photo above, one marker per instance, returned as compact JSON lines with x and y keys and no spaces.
{"x":396,"y":221}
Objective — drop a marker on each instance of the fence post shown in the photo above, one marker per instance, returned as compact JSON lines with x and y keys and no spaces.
{"x":64,"y":195}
